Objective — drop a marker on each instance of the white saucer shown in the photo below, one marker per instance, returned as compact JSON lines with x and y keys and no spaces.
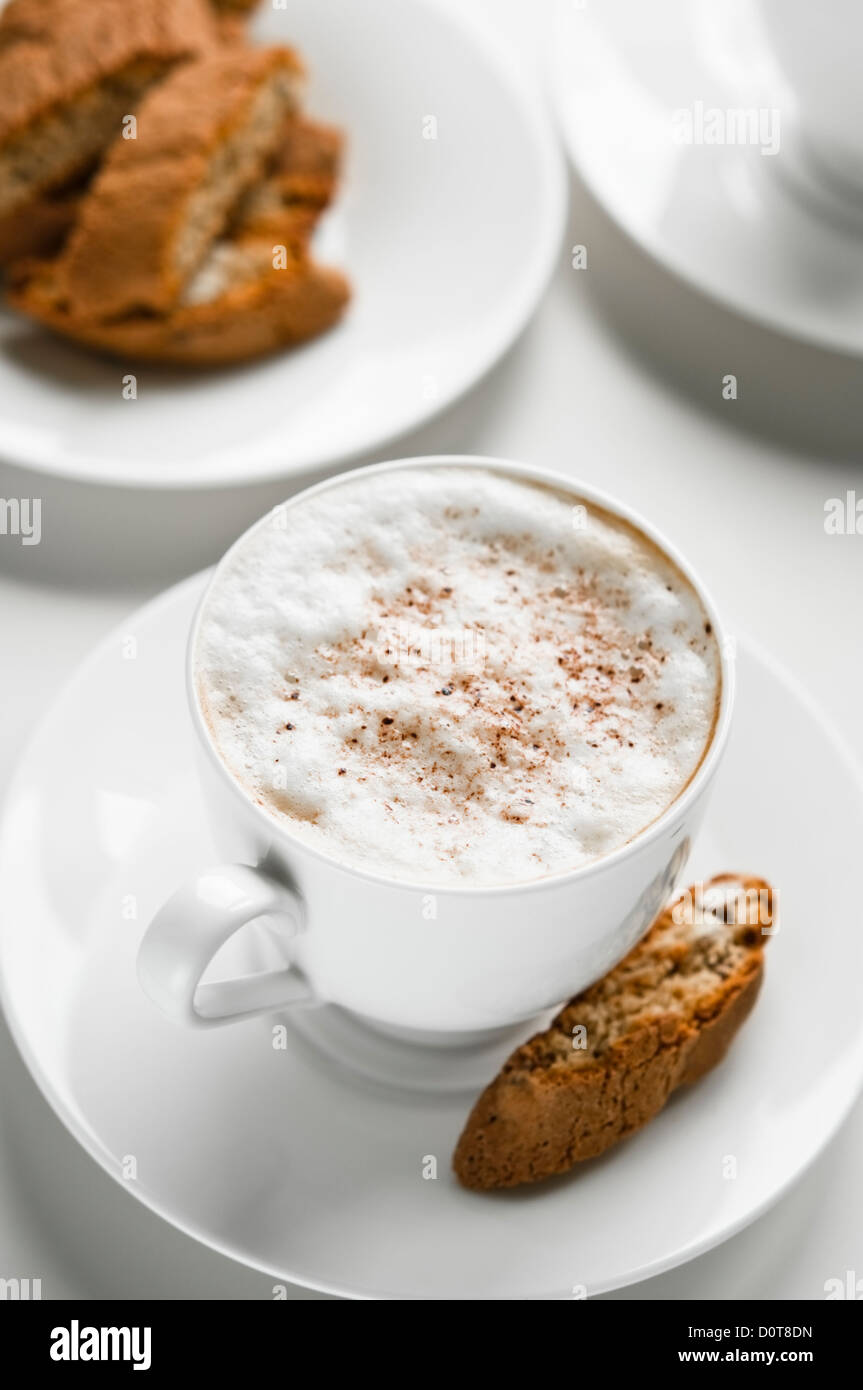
{"x":300,"y":1167}
{"x":750,"y":230}
{"x":449,"y":243}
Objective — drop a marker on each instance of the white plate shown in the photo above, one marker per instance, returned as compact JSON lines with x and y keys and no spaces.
{"x":738,"y":225}
{"x":302,"y":1168}
{"x":449,"y":242}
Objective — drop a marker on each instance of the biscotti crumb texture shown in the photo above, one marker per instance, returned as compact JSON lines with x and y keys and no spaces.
{"x":612,"y":1057}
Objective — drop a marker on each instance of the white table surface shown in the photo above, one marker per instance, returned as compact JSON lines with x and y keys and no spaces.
{"x":617,"y":381}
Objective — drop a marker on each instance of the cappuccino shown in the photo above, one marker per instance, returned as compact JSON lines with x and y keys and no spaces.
{"x":454,"y":675}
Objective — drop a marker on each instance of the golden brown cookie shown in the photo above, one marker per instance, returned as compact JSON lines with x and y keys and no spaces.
{"x":239,"y":306}
{"x":232,"y":19}
{"x":285,"y":206}
{"x":661,"y":1019}
{"x":158,"y":203}
{"x":301,"y":184}
{"x":71,"y":70}
{"x":40,"y":227}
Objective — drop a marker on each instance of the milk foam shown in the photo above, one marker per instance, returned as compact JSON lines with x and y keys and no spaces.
{"x":453,"y":676}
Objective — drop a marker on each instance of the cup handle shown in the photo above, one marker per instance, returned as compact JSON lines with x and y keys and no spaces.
{"x":194,"y":924}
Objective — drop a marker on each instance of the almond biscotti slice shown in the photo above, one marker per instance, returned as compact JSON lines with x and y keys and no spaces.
{"x":160,"y":201}
{"x":232,"y":19}
{"x":41,"y":226}
{"x":285,"y":206}
{"x":240,"y":305}
{"x":257,"y":291}
{"x":659,"y":1020}
{"x":71,"y":70}
{"x":300,"y":186}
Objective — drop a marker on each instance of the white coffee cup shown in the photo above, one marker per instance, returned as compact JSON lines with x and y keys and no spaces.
{"x":441,"y":961}
{"x":818,"y":49}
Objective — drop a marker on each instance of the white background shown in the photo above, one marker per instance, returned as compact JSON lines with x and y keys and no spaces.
{"x":617,"y":381}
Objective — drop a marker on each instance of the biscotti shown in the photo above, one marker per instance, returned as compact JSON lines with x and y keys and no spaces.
{"x":239,"y":306}
{"x":40,"y":227}
{"x":160,"y":201}
{"x":71,"y":70}
{"x":257,"y":290}
{"x":301,"y":183}
{"x":232,"y":18}
{"x":284,"y":206}
{"x":612,"y":1057}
